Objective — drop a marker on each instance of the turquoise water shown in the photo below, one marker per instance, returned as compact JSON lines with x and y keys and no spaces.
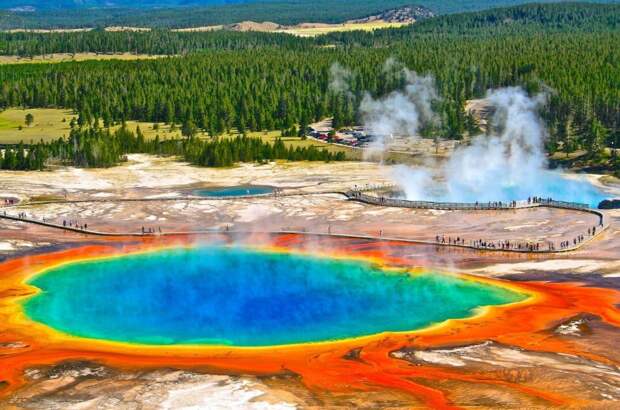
{"x":544,"y":184}
{"x":242,"y":297}
{"x":234,"y":191}
{"x":547,"y":184}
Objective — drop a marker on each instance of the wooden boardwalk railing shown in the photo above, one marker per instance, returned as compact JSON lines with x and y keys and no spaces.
{"x":356,"y":195}
{"x":360,"y":196}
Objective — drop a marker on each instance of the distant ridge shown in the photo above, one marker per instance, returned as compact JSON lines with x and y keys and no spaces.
{"x":407,"y":14}
{"x":254,"y":26}
{"x":61,"y":14}
{"x":81,"y":4}
{"x":284,"y":12}
{"x":437,"y":6}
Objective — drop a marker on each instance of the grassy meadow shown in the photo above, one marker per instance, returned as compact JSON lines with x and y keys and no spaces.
{"x":49,"y":124}
{"x":52,"y":123}
{"x":67,"y":57}
{"x":309,"y":31}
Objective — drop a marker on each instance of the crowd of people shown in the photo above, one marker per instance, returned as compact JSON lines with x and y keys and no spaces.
{"x":483,"y":244}
{"x":359,"y":195}
{"x":443,"y":240}
{"x":496,"y":204}
{"x":150,"y":230}
{"x":65,"y":223}
{"x":516,"y":245}
{"x":74,"y":225}
{"x":539,"y":200}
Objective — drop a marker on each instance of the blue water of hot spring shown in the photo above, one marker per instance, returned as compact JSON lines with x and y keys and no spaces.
{"x":244,"y":297}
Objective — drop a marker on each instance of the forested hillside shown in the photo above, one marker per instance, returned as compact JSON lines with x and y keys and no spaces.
{"x":282,"y":12}
{"x":529,"y":19}
{"x":257,"y":82}
{"x":70,"y":4}
{"x":125,"y":13}
{"x":272,"y":88}
{"x":157,"y":42}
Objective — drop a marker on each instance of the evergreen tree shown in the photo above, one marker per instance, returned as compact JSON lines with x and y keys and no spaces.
{"x":29,"y":119}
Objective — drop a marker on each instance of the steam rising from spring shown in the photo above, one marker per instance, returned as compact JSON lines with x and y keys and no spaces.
{"x":400,"y":113}
{"x":504,"y":165}
{"x":508,"y":163}
{"x":340,"y":79}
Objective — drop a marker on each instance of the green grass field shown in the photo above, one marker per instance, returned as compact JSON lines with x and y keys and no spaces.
{"x":335,"y":28}
{"x":271,"y":136}
{"x":51,"y":124}
{"x":65,"y":57}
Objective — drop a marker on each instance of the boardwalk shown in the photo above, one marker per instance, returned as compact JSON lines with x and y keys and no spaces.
{"x":360,"y":196}
{"x":464,"y":245}
{"x":357,"y":194}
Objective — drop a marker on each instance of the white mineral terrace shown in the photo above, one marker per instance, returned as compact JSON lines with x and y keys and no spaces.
{"x":156,"y":194}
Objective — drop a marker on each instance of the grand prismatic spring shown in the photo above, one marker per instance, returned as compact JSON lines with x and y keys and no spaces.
{"x":238,"y":308}
{"x":239,"y":297}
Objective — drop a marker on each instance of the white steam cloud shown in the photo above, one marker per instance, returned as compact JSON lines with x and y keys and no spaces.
{"x":511,"y":158}
{"x":508,"y":163}
{"x":400,"y":113}
{"x":340,"y":79}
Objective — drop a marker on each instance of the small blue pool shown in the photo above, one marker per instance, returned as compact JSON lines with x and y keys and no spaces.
{"x":240,"y":190}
